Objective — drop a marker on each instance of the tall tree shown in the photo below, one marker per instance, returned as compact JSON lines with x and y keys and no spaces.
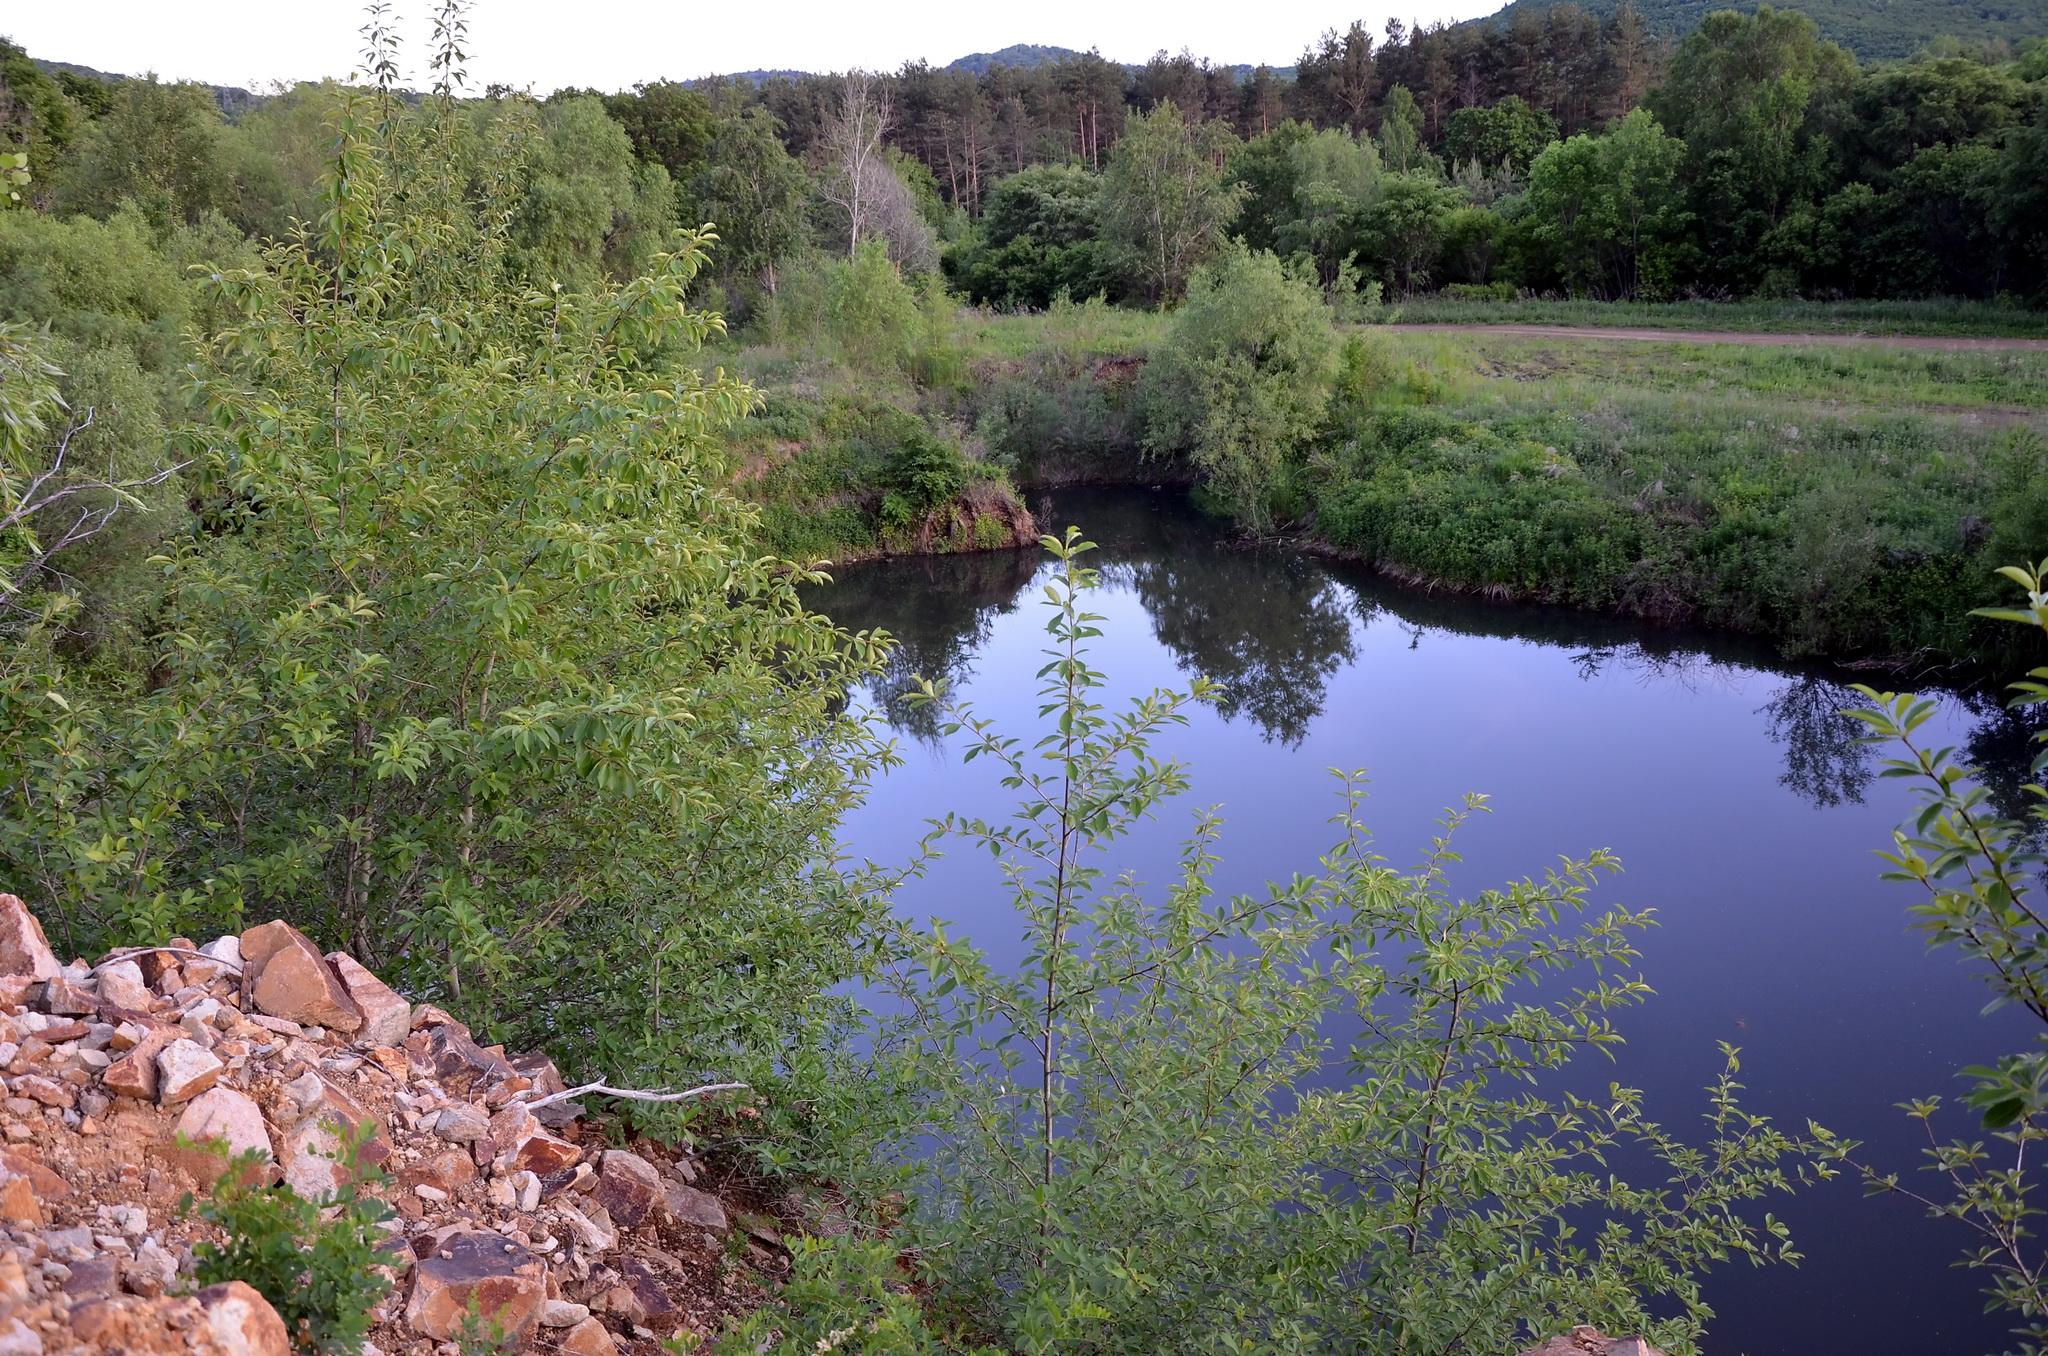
{"x":1336,"y":78}
{"x":1164,"y":202}
{"x":1755,"y":97}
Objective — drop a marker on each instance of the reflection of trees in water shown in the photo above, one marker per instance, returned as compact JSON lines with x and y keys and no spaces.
{"x":1825,"y":760}
{"x":2002,"y":748}
{"x":939,"y":609}
{"x":1269,"y":631}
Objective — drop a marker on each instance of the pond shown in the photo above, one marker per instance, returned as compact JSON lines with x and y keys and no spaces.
{"x":1727,"y":782}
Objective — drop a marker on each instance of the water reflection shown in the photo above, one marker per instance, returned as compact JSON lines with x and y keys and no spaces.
{"x":1271,"y":629}
{"x":1826,"y":761}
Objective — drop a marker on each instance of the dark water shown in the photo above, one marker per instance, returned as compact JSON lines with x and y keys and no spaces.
{"x":1726,"y":782}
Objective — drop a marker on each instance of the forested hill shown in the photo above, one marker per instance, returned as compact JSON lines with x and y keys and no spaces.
{"x":1025,"y":56}
{"x":1874,"y":30}
{"x":1020,"y":55}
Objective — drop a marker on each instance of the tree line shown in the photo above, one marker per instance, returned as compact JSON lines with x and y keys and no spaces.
{"x":1553,"y":153}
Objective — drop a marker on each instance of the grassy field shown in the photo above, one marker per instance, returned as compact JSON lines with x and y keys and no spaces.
{"x":1841,"y":500}
{"x":1943,"y":317}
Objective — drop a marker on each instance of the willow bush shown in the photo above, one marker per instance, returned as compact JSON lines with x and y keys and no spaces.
{"x":465,"y":661}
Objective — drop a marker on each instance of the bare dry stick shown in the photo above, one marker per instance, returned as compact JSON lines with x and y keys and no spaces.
{"x":629,"y":1094}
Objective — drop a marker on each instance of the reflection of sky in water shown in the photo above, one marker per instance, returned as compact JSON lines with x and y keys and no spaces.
{"x":1728,"y":787}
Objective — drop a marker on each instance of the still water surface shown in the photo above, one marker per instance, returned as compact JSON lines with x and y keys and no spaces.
{"x":1726,"y":782}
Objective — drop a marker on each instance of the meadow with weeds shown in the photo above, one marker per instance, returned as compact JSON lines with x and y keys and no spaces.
{"x":1956,"y":316}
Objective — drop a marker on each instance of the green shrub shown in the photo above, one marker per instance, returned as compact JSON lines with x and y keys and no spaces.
{"x":315,"y":1261}
{"x":843,"y":1295}
{"x":1242,"y":381}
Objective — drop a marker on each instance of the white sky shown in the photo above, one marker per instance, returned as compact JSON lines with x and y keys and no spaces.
{"x":611,"y":44}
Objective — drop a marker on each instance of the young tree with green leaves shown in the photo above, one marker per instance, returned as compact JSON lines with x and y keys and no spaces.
{"x":1607,"y":207}
{"x":1147,"y":1137}
{"x":1165,"y":205}
{"x":754,"y":194}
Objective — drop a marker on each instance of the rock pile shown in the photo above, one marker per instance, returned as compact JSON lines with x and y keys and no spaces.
{"x":504,"y":1199}
{"x":1585,"y":1341}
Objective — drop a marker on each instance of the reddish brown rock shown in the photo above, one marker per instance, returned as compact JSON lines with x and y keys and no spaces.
{"x":26,"y":1161}
{"x":24,"y":950}
{"x":44,"y":1091}
{"x":455,"y":1061}
{"x":293,"y":980}
{"x":628,"y":1187}
{"x":386,"y":1017}
{"x":1587,"y":1341}
{"x":18,"y":1203}
{"x":544,"y":1077}
{"x":94,"y":1278}
{"x":506,"y":1284}
{"x":134,"y":1074}
{"x":524,"y":1145}
{"x":65,"y":999}
{"x":445,"y":1171}
{"x":589,"y":1338}
{"x":657,"y":1310}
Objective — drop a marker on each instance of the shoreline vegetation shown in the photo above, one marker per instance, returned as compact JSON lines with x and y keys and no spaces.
{"x":1829,"y":498}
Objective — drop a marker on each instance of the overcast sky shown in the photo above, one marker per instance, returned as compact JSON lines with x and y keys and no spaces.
{"x":612,"y":44}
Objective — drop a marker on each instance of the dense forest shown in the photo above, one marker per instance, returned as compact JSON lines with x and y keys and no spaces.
{"x":1497,"y":156}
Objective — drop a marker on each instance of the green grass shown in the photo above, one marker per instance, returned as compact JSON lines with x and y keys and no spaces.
{"x":1966,"y":319}
{"x":1838,"y":501}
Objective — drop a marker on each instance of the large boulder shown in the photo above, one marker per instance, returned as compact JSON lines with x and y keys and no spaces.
{"x":285,"y":976}
{"x":24,"y":950}
{"x":503,"y":1282}
{"x":387,"y":1018}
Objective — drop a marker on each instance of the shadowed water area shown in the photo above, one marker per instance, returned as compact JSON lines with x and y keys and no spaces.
{"x":1727,"y":781}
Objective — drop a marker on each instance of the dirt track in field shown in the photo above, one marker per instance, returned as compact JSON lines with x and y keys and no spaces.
{"x":1956,"y":343}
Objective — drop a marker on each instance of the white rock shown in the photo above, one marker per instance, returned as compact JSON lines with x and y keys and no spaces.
{"x":224,"y":1114}
{"x":184,"y":1069}
{"x":121,"y":984}
{"x":592,"y":1235}
{"x":462,"y":1124}
{"x":562,"y":1314}
{"x":528,"y":1186}
{"x":227,"y":949}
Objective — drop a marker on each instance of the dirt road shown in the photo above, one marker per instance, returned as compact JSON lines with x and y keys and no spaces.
{"x":1936,"y":341}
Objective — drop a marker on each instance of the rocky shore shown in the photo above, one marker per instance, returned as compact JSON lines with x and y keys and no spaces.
{"x":507,"y":1204}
